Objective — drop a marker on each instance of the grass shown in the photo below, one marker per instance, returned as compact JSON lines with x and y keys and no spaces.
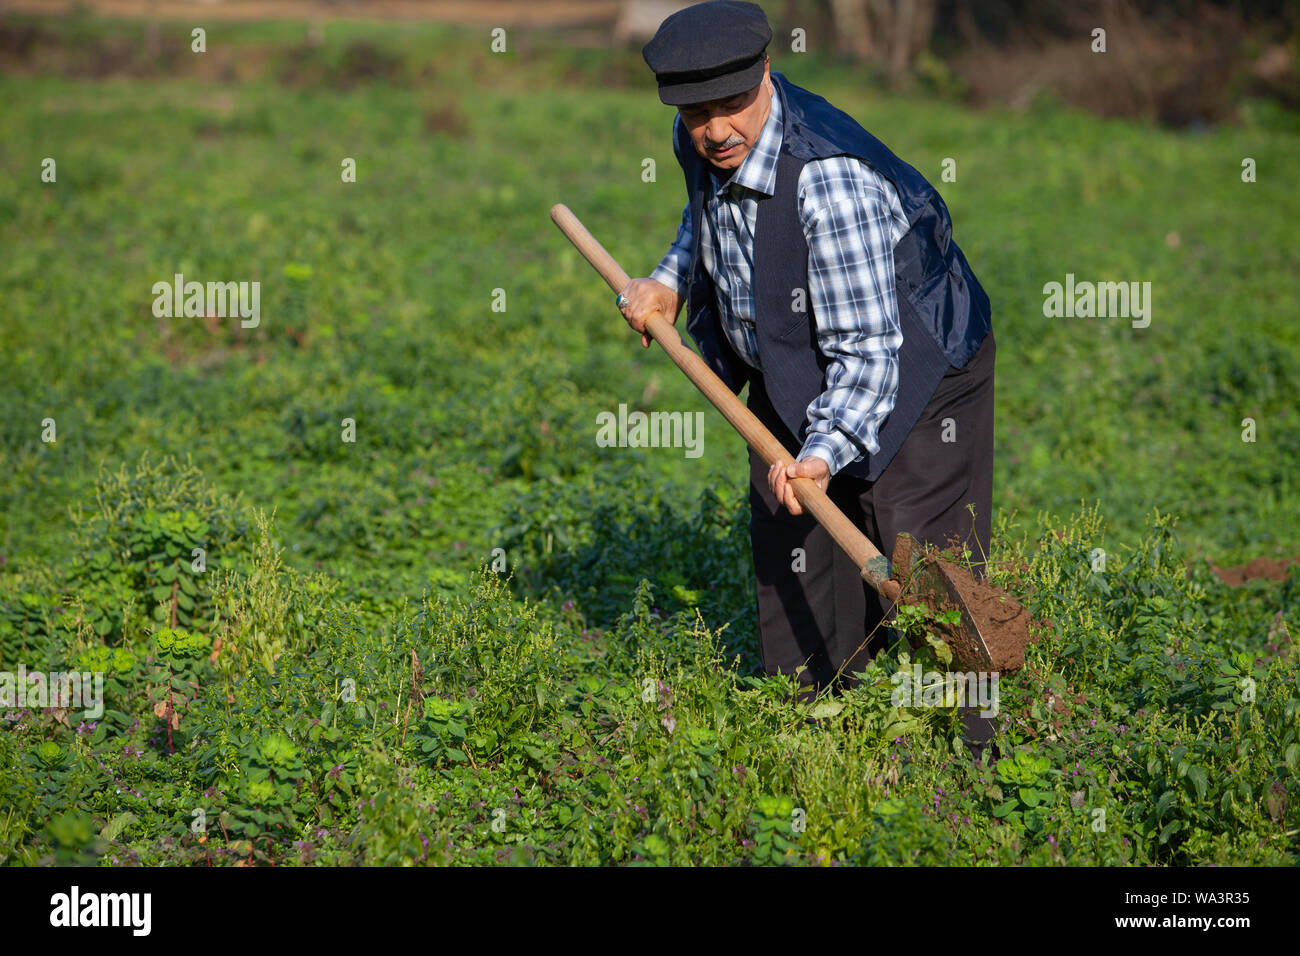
{"x":475,"y":431}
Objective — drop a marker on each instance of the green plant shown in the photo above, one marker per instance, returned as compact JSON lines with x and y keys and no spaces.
{"x":180,"y":666}
{"x":774,"y":837}
{"x":74,"y":840}
{"x":443,"y":732}
{"x":270,"y":797}
{"x":1026,"y":781}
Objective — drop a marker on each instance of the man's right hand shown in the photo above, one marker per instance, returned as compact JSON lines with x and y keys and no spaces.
{"x":644,"y":297}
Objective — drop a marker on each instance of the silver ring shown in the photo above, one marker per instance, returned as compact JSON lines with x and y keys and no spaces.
{"x":621,"y":300}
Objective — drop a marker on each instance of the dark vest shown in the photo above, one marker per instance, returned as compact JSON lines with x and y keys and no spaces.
{"x":942,"y":309}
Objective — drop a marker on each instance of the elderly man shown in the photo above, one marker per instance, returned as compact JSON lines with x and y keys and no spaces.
{"x":820,"y":269}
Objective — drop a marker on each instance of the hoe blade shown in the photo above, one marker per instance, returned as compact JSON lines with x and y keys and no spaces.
{"x":993,"y":628}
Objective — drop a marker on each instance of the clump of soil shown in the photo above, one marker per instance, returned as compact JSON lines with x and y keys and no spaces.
{"x":1272,"y":569}
{"x":1003,"y":621}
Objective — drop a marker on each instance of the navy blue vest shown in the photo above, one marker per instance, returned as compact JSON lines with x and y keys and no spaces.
{"x":942,"y":309}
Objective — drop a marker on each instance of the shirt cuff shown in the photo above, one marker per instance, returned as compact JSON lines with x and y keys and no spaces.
{"x":836,"y":449}
{"x":667,"y":275}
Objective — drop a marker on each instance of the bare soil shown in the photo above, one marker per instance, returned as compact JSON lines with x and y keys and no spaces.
{"x":1272,"y":569}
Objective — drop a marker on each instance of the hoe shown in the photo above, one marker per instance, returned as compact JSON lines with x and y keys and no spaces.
{"x":990,"y":629}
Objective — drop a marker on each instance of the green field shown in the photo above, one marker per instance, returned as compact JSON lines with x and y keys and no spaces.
{"x":348,"y":681}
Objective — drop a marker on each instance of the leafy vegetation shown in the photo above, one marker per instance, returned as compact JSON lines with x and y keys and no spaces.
{"x":473,"y":636}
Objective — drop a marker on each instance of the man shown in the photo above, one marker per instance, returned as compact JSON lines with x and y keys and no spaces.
{"x":820,"y":269}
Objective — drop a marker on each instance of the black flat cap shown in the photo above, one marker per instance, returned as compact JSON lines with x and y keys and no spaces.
{"x":709,"y":51}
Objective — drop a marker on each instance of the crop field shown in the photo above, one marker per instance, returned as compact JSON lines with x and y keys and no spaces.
{"x":363,"y":586}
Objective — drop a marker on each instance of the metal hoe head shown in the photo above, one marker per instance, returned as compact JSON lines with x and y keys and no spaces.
{"x":993,"y":627}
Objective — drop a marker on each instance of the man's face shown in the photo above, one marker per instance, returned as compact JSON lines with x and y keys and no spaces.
{"x":724,"y":131}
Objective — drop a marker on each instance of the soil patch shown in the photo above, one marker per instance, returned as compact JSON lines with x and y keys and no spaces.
{"x":1272,"y":569}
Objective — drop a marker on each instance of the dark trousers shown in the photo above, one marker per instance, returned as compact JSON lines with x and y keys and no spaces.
{"x":814,"y":609}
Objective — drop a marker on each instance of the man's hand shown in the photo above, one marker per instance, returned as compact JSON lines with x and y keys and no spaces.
{"x":644,"y":297}
{"x":778,"y":480}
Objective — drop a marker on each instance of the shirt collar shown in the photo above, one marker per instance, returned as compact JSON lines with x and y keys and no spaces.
{"x":758,"y":171}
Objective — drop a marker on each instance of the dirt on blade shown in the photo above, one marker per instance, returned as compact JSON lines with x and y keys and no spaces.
{"x":994,"y":627}
{"x":1002,"y":620}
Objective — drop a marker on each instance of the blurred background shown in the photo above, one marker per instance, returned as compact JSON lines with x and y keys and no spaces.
{"x":1178,"y":61}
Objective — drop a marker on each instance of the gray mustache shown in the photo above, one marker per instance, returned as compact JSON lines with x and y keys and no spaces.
{"x":733,"y":141}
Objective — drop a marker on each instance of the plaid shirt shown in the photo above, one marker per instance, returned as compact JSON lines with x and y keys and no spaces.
{"x":852,"y":219}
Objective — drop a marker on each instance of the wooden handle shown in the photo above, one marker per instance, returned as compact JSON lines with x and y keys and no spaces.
{"x":873,"y":565}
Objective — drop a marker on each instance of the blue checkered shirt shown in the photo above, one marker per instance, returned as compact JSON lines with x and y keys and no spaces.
{"x":852,"y":219}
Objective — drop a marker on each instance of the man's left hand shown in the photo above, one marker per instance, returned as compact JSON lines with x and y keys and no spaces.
{"x":778,"y":479}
